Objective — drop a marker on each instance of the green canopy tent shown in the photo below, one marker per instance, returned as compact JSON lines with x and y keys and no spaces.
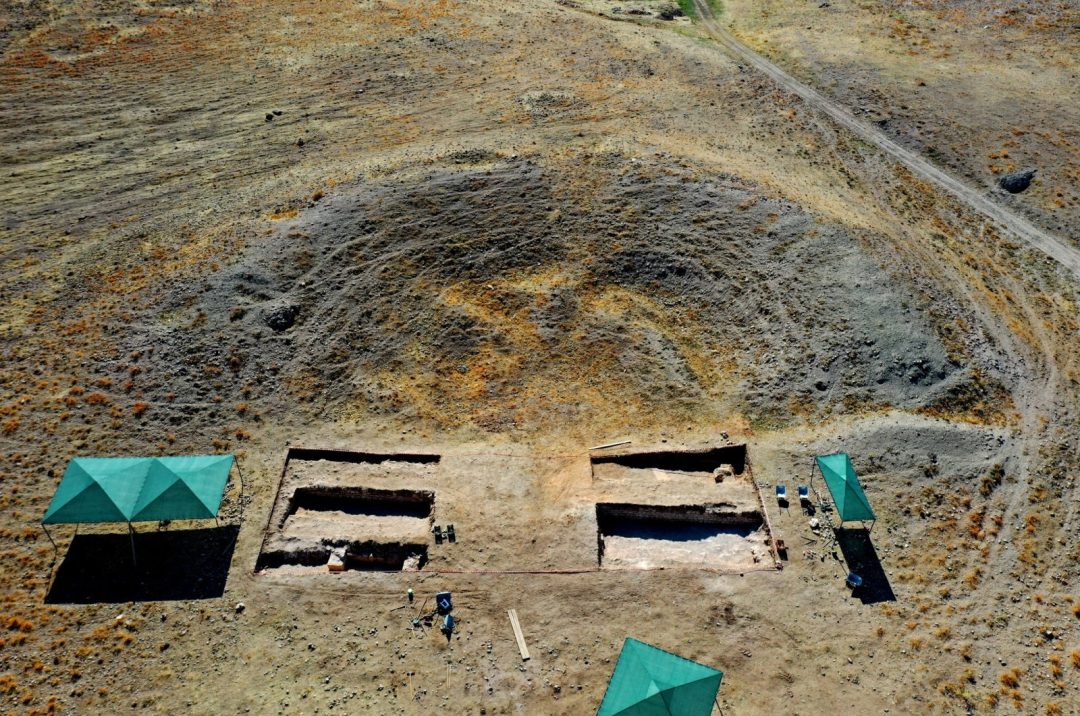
{"x":139,"y":489}
{"x":652,"y":682}
{"x":847,"y":493}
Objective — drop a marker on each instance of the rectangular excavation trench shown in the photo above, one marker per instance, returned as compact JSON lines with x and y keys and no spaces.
{"x":714,"y":536}
{"x":686,"y":461}
{"x":379,"y":530}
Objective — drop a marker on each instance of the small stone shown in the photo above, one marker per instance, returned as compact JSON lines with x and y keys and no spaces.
{"x":239,"y":607}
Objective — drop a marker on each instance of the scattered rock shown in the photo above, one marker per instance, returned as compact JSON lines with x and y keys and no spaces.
{"x":282,"y":316}
{"x":239,"y":607}
{"x":1017,"y":181}
{"x":670,"y":12}
{"x":336,"y":563}
{"x":723,"y":472}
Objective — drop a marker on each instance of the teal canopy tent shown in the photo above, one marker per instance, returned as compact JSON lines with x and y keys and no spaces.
{"x":847,"y":493}
{"x":139,"y":489}
{"x":652,"y":682}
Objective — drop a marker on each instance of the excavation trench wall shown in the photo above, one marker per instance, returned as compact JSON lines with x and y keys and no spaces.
{"x":363,"y":556}
{"x":360,"y":501}
{"x":361,"y":457}
{"x":680,"y":460}
{"x":609,"y":515}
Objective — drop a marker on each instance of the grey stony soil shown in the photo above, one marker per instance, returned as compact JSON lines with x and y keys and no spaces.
{"x":452,"y":270}
{"x":508,"y":232}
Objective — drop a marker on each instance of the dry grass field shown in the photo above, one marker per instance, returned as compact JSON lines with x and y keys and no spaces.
{"x":503,"y":233}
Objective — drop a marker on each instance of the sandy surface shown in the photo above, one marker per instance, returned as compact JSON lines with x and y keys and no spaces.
{"x":315,"y":524}
{"x":505,"y":233}
{"x":710,"y":548}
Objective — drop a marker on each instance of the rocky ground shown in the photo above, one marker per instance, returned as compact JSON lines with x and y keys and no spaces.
{"x":521,"y":230}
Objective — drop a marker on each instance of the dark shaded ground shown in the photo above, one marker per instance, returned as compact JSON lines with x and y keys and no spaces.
{"x":862,"y":559}
{"x":172,"y":565}
{"x":673,"y":531}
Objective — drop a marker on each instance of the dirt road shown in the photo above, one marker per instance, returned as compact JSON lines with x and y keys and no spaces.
{"x":1023,"y":229}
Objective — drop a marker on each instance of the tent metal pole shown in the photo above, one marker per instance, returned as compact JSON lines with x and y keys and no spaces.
{"x":240,"y":474}
{"x":56,"y":550}
{"x":131,"y":533}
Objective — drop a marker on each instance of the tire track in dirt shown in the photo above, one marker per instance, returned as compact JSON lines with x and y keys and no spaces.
{"x":1033,"y":394}
{"x":1067,"y":256}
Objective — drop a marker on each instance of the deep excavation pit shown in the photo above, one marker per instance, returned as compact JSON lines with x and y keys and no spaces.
{"x":703,"y":461}
{"x":714,"y":536}
{"x":360,"y":556}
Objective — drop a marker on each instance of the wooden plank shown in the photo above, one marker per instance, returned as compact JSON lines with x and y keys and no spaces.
{"x":605,"y":446}
{"x":512,"y":613}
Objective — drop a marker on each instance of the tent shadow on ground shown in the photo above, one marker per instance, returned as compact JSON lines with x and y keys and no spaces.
{"x":172,"y":565}
{"x":862,"y":559}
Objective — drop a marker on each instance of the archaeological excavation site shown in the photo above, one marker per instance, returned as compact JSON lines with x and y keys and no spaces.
{"x":684,"y":357}
{"x":339,"y":510}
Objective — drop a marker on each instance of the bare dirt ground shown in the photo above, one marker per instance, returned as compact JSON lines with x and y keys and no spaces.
{"x":990,"y":207}
{"x":979,"y":88}
{"x":504,"y":233}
